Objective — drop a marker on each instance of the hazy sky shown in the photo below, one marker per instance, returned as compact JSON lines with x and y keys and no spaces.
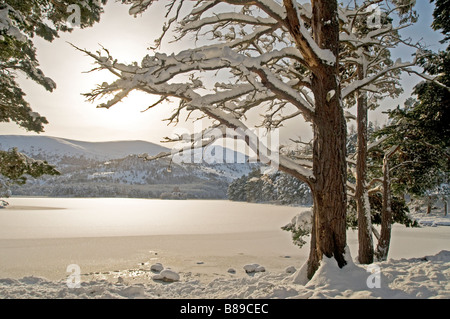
{"x":127,"y":38}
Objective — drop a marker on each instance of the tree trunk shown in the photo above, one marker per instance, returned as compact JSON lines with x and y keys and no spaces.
{"x":365,"y":240}
{"x":445,"y":207}
{"x":329,"y":149}
{"x":429,"y":204}
{"x":386,"y":214}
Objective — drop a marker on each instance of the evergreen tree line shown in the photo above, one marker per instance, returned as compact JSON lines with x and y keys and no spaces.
{"x":127,"y":177}
{"x":277,"y":188}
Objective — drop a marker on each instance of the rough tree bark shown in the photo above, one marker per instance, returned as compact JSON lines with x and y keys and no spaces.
{"x":329,"y":145}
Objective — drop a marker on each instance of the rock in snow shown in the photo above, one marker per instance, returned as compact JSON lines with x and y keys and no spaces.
{"x":290,"y":270}
{"x":260,"y":269}
{"x":170,"y":275}
{"x":252,"y":268}
{"x":167,"y":275}
{"x":157,"y":267}
{"x":158,"y":277}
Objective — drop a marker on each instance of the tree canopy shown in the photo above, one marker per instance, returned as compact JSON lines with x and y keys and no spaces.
{"x":285,"y":59}
{"x":20,"y":22}
{"x":420,"y":127}
{"x":440,"y":15}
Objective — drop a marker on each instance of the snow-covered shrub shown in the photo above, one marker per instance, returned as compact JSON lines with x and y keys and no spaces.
{"x":300,"y":227}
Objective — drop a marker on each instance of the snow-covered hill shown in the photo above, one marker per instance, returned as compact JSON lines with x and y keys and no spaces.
{"x":53,"y":148}
{"x":114,"y":169}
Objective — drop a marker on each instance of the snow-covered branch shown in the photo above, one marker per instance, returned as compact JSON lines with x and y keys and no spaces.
{"x":198,"y":141}
{"x":427,"y":77}
{"x":311,"y":51}
{"x":226,"y":18}
{"x":157,"y":71}
{"x":361,"y":84}
{"x":266,"y":55}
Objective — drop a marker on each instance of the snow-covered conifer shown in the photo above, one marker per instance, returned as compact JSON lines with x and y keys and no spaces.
{"x":282,"y":58}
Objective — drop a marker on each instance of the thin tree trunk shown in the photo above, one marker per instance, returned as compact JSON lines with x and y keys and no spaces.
{"x":429,"y":204}
{"x":365,"y":239}
{"x":329,"y":146}
{"x":386,"y":214}
{"x":445,"y":207}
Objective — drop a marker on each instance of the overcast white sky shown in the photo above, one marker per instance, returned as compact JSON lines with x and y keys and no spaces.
{"x":127,"y":38}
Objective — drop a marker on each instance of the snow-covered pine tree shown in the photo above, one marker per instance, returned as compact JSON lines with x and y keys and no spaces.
{"x":279,"y":56}
{"x":419,"y":132}
{"x":269,"y":191}
{"x":279,"y":187}
{"x":258,"y":43}
{"x":15,"y":167}
{"x":236,"y":190}
{"x":399,"y":212}
{"x":365,"y":53}
{"x":291,"y":191}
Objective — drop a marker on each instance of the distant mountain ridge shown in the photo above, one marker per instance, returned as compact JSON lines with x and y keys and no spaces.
{"x":113,"y":169}
{"x":57,"y":146}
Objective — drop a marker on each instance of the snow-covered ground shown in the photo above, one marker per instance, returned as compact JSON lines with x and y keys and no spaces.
{"x":435,"y":218}
{"x":212,"y":265}
{"x":427,"y":277}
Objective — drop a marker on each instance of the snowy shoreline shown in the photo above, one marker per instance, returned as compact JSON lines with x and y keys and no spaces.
{"x":415,"y":278}
{"x":209,"y":263}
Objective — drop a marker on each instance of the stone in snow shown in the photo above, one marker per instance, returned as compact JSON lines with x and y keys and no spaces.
{"x":167,"y":275}
{"x":170,"y":275}
{"x":260,"y":269}
{"x":290,"y":270}
{"x":251,"y":268}
{"x":157,"y":267}
{"x":158,"y":277}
